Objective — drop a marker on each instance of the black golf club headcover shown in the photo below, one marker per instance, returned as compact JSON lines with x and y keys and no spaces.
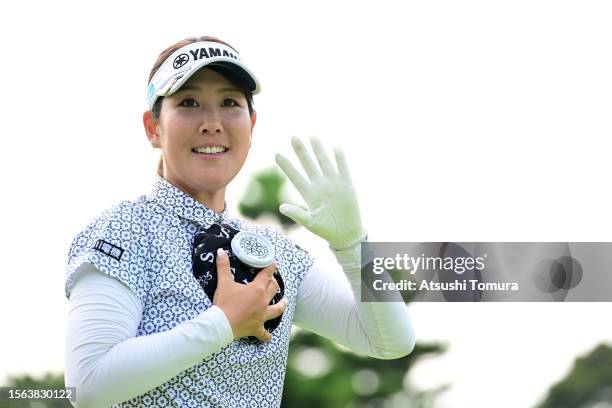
{"x":204,"y":260}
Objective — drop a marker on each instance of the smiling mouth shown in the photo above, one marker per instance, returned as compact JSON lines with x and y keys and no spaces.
{"x":215,"y":150}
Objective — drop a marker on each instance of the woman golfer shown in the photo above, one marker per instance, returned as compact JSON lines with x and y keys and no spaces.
{"x":142,"y":329}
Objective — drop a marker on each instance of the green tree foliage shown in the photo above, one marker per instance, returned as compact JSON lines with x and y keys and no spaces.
{"x":588,"y":383}
{"x":263,"y":196}
{"x":321,"y":374}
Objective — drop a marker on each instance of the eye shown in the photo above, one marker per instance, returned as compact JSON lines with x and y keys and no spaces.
{"x":188,"y":103}
{"x":230,"y":102}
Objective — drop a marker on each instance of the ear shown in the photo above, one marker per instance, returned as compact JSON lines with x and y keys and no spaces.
{"x":150,"y":126}
{"x":253,"y":120}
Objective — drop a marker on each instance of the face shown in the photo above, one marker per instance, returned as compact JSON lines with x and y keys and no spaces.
{"x":207,"y":111}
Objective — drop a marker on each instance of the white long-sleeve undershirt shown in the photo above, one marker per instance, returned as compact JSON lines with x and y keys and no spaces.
{"x":377,"y":329}
{"x":108,"y":364}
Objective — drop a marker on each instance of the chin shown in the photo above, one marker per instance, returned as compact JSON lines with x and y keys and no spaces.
{"x":210,"y":182}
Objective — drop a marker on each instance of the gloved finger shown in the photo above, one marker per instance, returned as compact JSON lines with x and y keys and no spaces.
{"x":326,"y":167}
{"x":304,"y":156}
{"x":341,"y":161}
{"x":296,"y":213}
{"x":300,"y":183}
{"x":302,"y":206}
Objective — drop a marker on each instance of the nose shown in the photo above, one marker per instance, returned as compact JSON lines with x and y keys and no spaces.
{"x":210,"y":122}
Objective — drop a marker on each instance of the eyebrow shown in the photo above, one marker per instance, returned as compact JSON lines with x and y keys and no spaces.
{"x":189,"y":87}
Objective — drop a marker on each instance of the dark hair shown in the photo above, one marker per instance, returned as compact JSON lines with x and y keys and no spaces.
{"x":156,"y":109}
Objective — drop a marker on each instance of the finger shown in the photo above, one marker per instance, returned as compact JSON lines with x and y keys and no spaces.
{"x":266,"y":274}
{"x":271,"y":289}
{"x":275,"y":310}
{"x":298,"y":205}
{"x":304,"y":156}
{"x":264,"y":335}
{"x":341,"y":161}
{"x":223,"y":267}
{"x":297,"y":214}
{"x":326,"y":166}
{"x":300,"y":183}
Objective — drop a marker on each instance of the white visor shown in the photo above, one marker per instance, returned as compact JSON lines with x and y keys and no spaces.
{"x":186,"y":61}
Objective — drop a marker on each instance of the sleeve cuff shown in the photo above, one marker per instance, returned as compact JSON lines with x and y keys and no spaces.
{"x":351,"y":242}
{"x":350,"y":258}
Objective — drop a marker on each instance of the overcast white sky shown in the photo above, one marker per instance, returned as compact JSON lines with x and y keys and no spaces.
{"x":461,"y":121}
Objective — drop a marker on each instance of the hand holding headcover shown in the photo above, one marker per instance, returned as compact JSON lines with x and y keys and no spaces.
{"x":247,"y":254}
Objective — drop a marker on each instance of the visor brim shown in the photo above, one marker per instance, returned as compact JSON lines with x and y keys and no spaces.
{"x":228,"y":66}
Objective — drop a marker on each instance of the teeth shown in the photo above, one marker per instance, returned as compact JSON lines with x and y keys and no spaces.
{"x":209,"y":150}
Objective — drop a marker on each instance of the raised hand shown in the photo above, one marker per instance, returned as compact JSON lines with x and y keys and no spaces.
{"x":332,"y":210}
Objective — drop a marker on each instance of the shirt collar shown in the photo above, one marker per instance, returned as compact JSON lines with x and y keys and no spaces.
{"x":176,"y":201}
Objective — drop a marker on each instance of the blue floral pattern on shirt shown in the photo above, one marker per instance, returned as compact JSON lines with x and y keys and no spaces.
{"x":156,"y":232}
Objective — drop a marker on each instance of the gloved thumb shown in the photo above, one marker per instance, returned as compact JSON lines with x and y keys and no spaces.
{"x":297,"y":214}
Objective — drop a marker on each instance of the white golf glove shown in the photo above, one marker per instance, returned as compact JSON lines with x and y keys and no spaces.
{"x":333,"y":211}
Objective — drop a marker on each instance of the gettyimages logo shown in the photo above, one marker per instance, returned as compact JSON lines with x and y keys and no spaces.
{"x":412,"y":265}
{"x":486,"y":271}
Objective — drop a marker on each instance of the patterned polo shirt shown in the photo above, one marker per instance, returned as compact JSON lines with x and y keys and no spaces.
{"x":146,"y":243}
